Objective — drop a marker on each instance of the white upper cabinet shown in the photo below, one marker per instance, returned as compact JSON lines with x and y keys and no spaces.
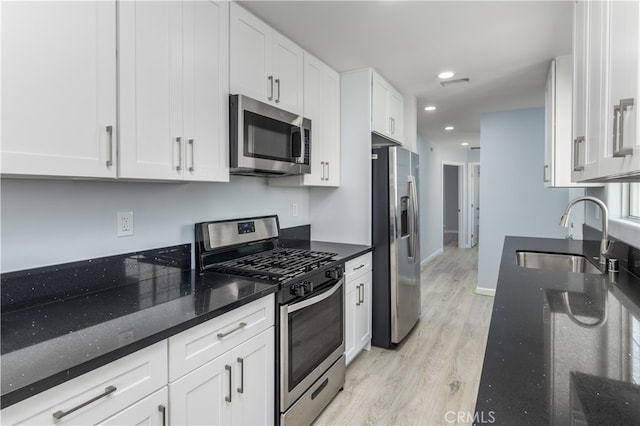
{"x":606,"y":42}
{"x":59,"y":89}
{"x":173,"y":90}
{"x":264,"y":65}
{"x":620,"y":153}
{"x":322,"y":107}
{"x":558,"y":99}
{"x":387,"y":109}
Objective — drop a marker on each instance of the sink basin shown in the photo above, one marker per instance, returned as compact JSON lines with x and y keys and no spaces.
{"x":556,"y":262}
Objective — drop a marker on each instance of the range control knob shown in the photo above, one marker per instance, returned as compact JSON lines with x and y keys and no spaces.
{"x":301,"y":289}
{"x":334,"y":273}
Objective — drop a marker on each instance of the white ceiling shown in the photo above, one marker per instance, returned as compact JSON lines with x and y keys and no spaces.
{"x":504,"y":47}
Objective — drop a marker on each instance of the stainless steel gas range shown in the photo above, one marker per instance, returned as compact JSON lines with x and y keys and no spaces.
{"x":310,"y":345}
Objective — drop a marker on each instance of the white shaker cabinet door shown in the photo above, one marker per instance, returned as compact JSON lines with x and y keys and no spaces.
{"x":250,"y":56}
{"x":620,"y":150}
{"x":331,"y":126}
{"x":59,"y":88}
{"x":204,"y":396}
{"x":254,"y":372}
{"x":206,"y":90}
{"x":287,"y":69}
{"x":150,"y":105}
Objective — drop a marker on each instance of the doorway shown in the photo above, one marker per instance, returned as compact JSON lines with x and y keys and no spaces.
{"x":453,"y":231}
{"x":474,"y":203}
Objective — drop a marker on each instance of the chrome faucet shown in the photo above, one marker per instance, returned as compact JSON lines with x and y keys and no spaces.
{"x":604,"y":241}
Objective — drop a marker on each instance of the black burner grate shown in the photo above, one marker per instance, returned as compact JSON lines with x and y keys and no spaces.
{"x":276,"y":265}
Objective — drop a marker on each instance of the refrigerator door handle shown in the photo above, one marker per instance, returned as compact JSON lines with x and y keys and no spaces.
{"x":413,"y":241}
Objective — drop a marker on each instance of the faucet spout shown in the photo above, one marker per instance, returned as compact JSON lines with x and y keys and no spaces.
{"x":604,"y":240}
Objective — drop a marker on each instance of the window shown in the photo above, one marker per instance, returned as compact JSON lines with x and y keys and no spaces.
{"x":634,"y":201}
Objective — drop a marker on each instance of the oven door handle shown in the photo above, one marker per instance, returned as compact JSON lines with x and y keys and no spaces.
{"x":315,"y":299}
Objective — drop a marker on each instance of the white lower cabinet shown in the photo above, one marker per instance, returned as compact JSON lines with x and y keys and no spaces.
{"x":99,"y":395}
{"x":358,"y":280}
{"x":220,"y":372}
{"x":153,"y":410}
{"x":235,"y":388}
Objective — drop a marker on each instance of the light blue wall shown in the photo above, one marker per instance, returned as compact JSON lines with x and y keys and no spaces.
{"x":431,"y":157}
{"x":47,"y":222}
{"x":513,"y":197}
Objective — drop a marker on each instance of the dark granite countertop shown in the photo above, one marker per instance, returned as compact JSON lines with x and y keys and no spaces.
{"x":55,"y":326}
{"x":562,"y":346}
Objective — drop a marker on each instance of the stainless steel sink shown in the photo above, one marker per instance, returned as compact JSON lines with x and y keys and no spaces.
{"x":556,"y":262}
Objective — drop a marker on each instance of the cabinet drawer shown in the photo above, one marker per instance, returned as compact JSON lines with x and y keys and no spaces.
{"x":358,"y":265}
{"x":133,"y":377}
{"x":201,"y":344}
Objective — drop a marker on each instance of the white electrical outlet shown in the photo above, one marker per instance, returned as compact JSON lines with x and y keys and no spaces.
{"x":124,"y":224}
{"x":295,"y":209}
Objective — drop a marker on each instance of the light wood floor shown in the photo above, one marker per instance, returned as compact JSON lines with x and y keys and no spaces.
{"x":436,"y":369}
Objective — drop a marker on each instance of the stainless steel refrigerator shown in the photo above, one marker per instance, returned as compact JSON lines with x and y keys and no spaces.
{"x":396,"y":239}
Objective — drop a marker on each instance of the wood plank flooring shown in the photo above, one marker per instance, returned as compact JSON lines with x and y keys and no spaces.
{"x":436,"y":370}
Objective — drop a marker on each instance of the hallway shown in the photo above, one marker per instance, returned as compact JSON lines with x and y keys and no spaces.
{"x":434,"y":374}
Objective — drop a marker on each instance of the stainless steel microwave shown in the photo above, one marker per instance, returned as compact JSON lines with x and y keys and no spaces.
{"x":267,"y":141}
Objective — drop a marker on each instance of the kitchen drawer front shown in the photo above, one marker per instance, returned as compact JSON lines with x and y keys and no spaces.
{"x":133,"y":377}
{"x":205,"y":342}
{"x":359,"y":265}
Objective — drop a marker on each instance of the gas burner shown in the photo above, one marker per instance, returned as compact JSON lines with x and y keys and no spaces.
{"x":276,"y":265}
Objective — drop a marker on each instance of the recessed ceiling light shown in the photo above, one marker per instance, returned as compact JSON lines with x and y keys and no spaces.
{"x":430,"y":108}
{"x":464,"y":143}
{"x":449,"y":128}
{"x":446,"y":74}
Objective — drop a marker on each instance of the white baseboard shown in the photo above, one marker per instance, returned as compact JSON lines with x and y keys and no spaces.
{"x":485,"y":291}
{"x":431,"y":256}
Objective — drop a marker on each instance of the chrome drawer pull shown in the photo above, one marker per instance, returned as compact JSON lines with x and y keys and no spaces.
{"x":359,"y":267}
{"x":239,"y":327}
{"x":228,"y":397}
{"x":60,"y":414}
{"x":241,"y":362}
{"x":163,"y":411}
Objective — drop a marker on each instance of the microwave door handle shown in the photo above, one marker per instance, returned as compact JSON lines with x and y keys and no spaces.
{"x":297,"y":147}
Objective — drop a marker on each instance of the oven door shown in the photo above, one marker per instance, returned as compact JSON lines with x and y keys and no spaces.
{"x":267,"y":140}
{"x":311,"y":340}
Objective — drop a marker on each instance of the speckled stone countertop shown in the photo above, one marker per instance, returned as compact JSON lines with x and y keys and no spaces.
{"x":562,"y":346}
{"x":61,"y":321}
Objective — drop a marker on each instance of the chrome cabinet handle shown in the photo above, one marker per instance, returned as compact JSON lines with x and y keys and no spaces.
{"x":576,"y":154}
{"x":241,"y":362}
{"x":270,"y":79}
{"x":228,"y":397}
{"x":193,"y":157}
{"x":110,"y":145}
{"x":60,"y":414}
{"x":544,"y":174}
{"x":358,"y":299}
{"x":389,"y":126}
{"x":359,"y":267}
{"x":179,"y":142}
{"x":362,"y":300}
{"x":278,"y":83}
{"x":618,"y":128}
{"x":239,"y":327}
{"x":322,"y":165}
{"x":328,"y":170}
{"x":163,"y":411}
